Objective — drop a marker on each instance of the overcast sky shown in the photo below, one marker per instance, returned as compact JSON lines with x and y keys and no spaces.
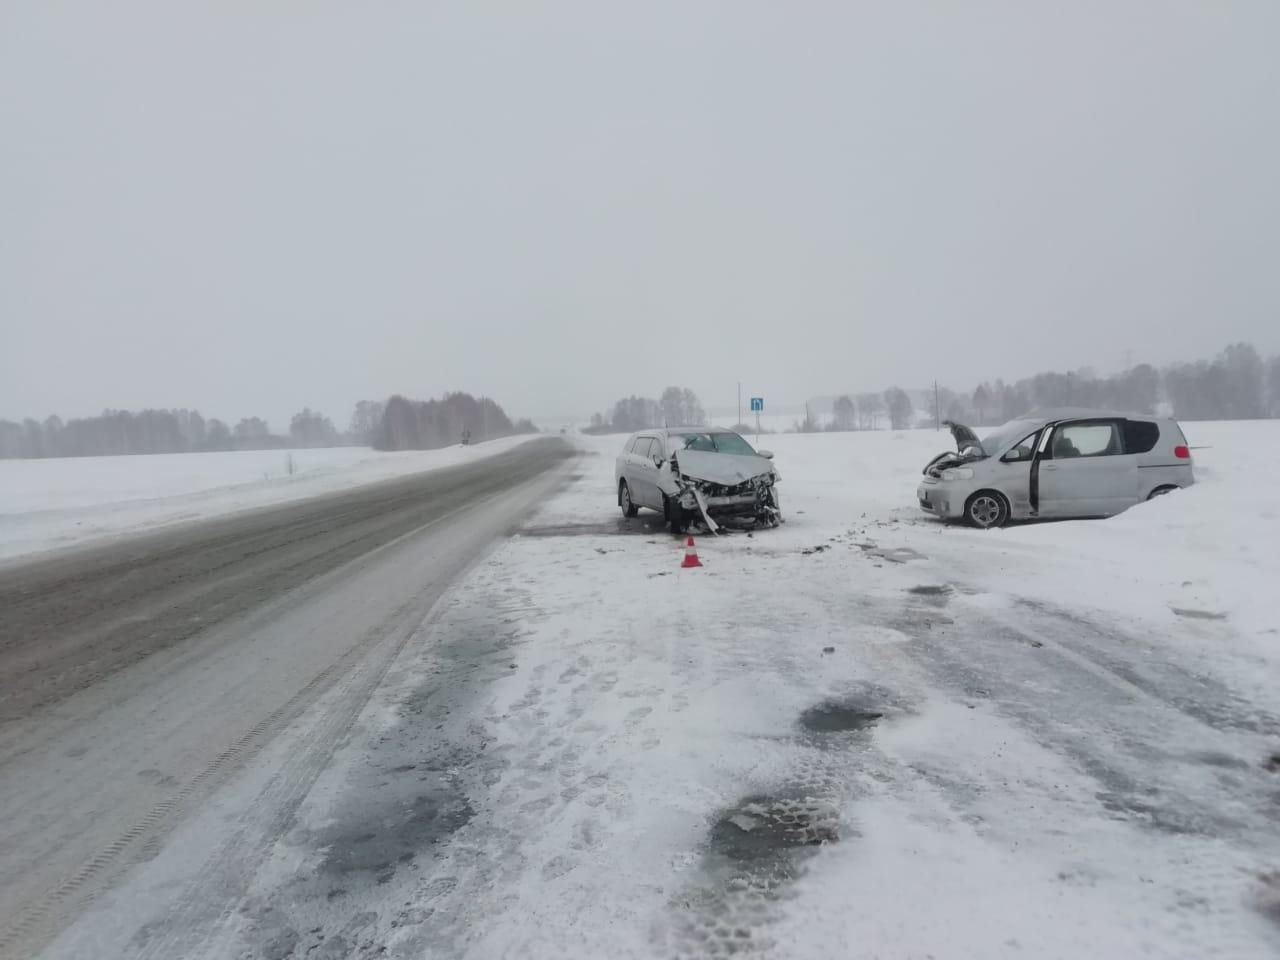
{"x":250,"y":207}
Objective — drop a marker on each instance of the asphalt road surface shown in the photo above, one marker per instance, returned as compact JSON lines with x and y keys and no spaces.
{"x":138,"y":676}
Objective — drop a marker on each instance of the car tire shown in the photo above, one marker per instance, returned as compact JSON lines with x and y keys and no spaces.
{"x":629,"y":509}
{"x":986,"y":509}
{"x":1161,"y":491}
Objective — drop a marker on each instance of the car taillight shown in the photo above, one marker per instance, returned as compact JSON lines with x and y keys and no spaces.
{"x":1182,"y":453}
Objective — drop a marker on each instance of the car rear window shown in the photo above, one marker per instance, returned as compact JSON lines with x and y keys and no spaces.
{"x":1140,"y":436}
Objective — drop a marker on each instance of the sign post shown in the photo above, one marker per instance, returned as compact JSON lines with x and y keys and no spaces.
{"x":757,"y":405}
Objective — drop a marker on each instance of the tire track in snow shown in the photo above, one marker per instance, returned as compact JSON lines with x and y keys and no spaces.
{"x":1165,"y":771}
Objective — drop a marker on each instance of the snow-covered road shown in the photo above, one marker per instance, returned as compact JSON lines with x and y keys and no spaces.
{"x":139,"y":678}
{"x":863,"y":734}
{"x":69,"y":501}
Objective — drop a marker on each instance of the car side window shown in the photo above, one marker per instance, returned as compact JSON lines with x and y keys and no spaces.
{"x":631,"y":445}
{"x":1140,"y":436}
{"x":1087,"y":440}
{"x":645,"y":447}
{"x":1024,"y":449}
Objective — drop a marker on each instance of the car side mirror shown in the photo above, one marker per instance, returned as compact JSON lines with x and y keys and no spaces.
{"x":767,"y":454}
{"x":1017,"y":455}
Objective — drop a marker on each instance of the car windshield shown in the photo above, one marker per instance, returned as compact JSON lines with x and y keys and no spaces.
{"x":1001,"y":437}
{"x":712,"y":443}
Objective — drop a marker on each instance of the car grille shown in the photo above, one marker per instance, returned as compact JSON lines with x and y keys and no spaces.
{"x":738,"y":490}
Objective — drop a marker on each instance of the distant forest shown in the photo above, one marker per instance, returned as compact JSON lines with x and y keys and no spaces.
{"x":373,"y":423}
{"x":426,"y":424}
{"x":1237,"y":384}
{"x":678,"y":406}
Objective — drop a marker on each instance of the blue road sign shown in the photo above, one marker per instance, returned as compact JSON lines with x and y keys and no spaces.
{"x":757,"y":404}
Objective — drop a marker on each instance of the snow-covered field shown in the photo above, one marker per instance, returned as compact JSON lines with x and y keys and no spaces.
{"x":45,"y":504}
{"x":1214,"y":548}
{"x":863,"y":734}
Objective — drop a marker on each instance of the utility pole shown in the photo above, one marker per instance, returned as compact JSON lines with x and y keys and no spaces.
{"x":937,"y":419}
{"x":739,"y":420}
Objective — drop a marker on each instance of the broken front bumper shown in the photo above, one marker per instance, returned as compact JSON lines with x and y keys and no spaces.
{"x":725,"y":506}
{"x":757,"y":499}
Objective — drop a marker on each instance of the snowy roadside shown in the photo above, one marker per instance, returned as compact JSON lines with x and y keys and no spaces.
{"x":862,"y":732}
{"x":47,"y":504}
{"x":1195,"y":566}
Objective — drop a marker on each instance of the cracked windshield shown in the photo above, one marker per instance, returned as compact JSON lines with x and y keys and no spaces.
{"x":575,"y":480}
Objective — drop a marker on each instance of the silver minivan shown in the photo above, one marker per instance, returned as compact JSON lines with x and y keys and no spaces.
{"x":1056,"y":464}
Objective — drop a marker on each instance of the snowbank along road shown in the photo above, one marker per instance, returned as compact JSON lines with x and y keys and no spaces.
{"x":863,"y":734}
{"x":137,"y":677}
{"x":61,"y":502}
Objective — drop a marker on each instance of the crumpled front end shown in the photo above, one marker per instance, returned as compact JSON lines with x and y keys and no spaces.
{"x":726,"y":495}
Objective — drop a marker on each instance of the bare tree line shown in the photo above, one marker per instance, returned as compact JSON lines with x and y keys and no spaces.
{"x":405,"y":424}
{"x":122,"y":432}
{"x":1237,"y":384}
{"x":677,"y":407}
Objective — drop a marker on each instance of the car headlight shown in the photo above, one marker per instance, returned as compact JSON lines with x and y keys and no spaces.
{"x":957,"y":473}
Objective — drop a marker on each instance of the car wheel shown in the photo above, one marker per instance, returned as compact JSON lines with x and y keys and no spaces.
{"x":1161,"y":491}
{"x":629,"y":509}
{"x":986,"y":509}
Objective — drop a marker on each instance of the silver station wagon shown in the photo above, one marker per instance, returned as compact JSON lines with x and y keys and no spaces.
{"x":701,"y":474}
{"x":1056,"y":464}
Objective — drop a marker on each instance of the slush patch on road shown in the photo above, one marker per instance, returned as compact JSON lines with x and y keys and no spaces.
{"x":1192,"y":614}
{"x":1155,"y":815}
{"x":835,"y":716}
{"x":892,"y":554}
{"x":754,"y":851}
{"x":1215,"y":758}
{"x":930,"y":590}
{"x":1267,"y":895}
{"x":760,"y":834}
{"x":932,"y":595}
{"x":376,"y":842}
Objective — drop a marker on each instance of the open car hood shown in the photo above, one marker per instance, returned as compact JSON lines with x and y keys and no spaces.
{"x":964,"y":436}
{"x":729,"y":469}
{"x":968,"y":448}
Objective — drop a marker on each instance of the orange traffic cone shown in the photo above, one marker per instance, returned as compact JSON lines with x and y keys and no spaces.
{"x":690,"y":555}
